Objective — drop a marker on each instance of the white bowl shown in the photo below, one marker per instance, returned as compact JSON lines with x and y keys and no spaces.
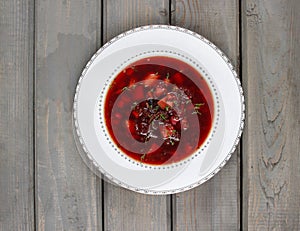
{"x":127,"y":48}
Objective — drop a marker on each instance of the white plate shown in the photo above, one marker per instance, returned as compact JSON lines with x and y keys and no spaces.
{"x":143,"y":42}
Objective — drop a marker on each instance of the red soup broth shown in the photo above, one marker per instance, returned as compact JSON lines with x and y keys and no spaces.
{"x":158,"y":110}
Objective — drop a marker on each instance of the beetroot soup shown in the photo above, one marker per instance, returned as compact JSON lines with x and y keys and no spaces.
{"x":158,"y":110}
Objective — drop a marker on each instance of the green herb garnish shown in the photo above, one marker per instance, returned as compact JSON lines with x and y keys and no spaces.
{"x":168,"y":75}
{"x":162,"y":116}
{"x":143,"y":156}
{"x":125,"y":88}
{"x":198,"y":105}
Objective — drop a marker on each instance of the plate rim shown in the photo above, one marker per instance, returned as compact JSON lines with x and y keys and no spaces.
{"x":151,"y":191}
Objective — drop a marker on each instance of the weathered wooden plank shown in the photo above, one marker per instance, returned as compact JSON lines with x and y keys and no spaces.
{"x":16,"y":115}
{"x":215,"y":204}
{"x":271,"y":48}
{"x":125,"y":210}
{"x":68,"y":193}
{"x":124,"y":15}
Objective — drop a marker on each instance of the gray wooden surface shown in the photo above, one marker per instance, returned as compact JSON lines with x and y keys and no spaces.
{"x":214,"y":205}
{"x":16,"y":116}
{"x":68,"y":195}
{"x":271,"y":145}
{"x":44,"y":184}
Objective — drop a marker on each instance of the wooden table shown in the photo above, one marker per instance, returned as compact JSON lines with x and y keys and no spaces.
{"x":44,"y":185}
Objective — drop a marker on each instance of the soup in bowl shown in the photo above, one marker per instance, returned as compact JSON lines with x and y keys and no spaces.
{"x":159,"y":110}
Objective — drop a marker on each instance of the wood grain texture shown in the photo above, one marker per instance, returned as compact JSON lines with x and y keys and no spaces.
{"x":122,"y":15}
{"x":125,"y":210}
{"x":215,"y":204}
{"x":271,"y":78}
{"x":68,"y":194}
{"x":16,"y":115}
